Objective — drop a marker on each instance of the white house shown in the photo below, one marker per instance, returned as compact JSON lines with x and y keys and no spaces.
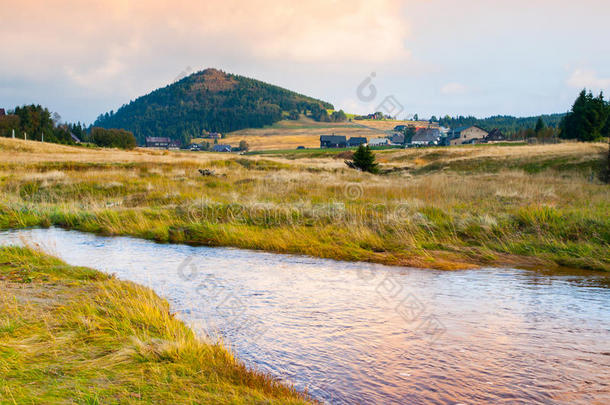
{"x":379,"y":142}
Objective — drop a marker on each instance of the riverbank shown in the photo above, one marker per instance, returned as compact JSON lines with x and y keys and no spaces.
{"x":443,"y":208}
{"x":71,"y":334}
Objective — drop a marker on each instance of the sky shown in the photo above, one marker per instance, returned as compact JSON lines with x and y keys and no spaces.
{"x":431,"y":57}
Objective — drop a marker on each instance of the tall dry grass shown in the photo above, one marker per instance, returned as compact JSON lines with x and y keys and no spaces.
{"x":442,"y":207}
{"x":74,"y":335}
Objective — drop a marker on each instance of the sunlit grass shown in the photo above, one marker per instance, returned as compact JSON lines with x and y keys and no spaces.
{"x":74,"y":335}
{"x":445,"y":208}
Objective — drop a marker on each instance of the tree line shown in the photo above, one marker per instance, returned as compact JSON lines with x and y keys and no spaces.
{"x":508,"y":124}
{"x":37,"y":123}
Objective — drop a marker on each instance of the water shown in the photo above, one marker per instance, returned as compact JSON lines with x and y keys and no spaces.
{"x":359,"y":333}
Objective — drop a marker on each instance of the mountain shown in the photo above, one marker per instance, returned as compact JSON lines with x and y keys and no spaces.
{"x":210,"y":100}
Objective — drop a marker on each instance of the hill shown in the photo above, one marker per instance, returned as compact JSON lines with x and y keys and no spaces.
{"x":210,"y":100}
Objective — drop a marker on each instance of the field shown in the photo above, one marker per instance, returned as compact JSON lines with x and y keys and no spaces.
{"x":447,"y":208}
{"x":306,"y":132}
{"x":73,"y":335}
{"x":290,"y":134}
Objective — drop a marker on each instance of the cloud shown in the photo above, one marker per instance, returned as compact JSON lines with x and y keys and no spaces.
{"x":114,"y":34}
{"x":116,"y":50}
{"x":583,"y":78}
{"x":453,"y":88}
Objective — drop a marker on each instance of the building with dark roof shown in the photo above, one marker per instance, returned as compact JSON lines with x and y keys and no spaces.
{"x":356,"y":141}
{"x":426,"y":136}
{"x":333,"y":141}
{"x":157,"y":142}
{"x":398,"y":139}
{"x":495,"y":136}
{"x":222,"y":148}
{"x":465,"y":135}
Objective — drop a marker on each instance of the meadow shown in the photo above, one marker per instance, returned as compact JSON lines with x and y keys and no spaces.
{"x":74,"y":335}
{"x":534,"y":206}
{"x":289,"y":134}
{"x":306,"y":132}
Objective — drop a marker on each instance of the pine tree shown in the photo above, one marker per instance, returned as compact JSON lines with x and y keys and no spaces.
{"x":409,"y":132}
{"x":586,"y":121}
{"x":540,"y":125}
{"x":364,"y":159}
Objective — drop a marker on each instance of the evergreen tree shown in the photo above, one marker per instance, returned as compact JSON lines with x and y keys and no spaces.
{"x":410,"y":132}
{"x":587,"y":119}
{"x":606,"y":129}
{"x":540,"y":125}
{"x":338,"y":116}
{"x":364,"y":159}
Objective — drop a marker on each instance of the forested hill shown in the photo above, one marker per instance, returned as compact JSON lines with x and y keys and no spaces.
{"x":210,"y":100}
{"x":505,"y":123}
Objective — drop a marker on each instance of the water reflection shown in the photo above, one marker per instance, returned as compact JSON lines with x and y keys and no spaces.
{"x":359,"y":333}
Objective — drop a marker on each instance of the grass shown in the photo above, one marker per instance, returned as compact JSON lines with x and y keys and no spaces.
{"x":447,"y":208}
{"x":74,"y":335}
{"x":289,"y":134}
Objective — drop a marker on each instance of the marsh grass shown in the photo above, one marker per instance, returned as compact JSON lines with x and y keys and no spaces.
{"x":446,"y":208}
{"x":74,"y":335}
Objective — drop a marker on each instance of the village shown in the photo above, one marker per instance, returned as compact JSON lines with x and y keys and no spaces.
{"x":402,"y":136}
{"x":411,"y":136}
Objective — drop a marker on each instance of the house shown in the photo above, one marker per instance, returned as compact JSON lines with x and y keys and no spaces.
{"x":465,"y":135}
{"x":398,"y":139}
{"x":356,"y":141}
{"x":379,"y":142}
{"x":158,"y":142}
{"x":221,"y":148}
{"x":333,"y":141}
{"x":74,"y":138}
{"x":2,"y":112}
{"x":213,"y":135}
{"x":426,"y":136}
{"x":495,"y":136}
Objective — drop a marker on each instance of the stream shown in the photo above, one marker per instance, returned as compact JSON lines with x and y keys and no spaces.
{"x":360,"y":333}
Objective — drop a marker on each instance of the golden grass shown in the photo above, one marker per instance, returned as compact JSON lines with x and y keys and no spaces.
{"x":440,"y":207}
{"x":291,"y":134}
{"x":73,"y":335}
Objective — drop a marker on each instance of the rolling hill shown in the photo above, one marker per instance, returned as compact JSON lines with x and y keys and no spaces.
{"x":210,"y":100}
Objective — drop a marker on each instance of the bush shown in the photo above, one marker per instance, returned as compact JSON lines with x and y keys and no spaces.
{"x":113,"y":138}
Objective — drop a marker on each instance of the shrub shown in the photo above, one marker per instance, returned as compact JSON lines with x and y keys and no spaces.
{"x":113,"y":138}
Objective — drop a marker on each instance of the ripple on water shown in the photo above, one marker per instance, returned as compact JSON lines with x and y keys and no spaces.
{"x":360,"y":333}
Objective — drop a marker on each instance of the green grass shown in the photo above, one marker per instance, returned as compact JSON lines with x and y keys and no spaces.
{"x":74,"y":335}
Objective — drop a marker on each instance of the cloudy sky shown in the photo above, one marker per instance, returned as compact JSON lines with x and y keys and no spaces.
{"x":481,"y":57}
